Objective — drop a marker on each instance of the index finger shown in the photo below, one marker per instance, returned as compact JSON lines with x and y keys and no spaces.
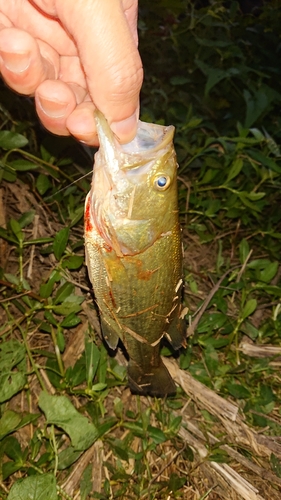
{"x":110,"y":58}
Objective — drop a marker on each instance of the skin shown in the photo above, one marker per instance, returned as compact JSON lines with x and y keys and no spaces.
{"x":73,"y":56}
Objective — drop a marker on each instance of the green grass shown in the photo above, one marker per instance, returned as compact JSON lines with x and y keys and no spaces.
{"x":69,"y":426}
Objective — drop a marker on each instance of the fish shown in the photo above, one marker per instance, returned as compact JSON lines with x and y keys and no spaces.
{"x":134,"y":252}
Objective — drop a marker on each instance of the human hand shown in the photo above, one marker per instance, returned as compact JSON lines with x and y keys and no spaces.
{"x":73,"y":55}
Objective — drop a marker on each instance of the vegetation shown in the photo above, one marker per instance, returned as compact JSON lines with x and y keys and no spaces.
{"x":69,"y":427}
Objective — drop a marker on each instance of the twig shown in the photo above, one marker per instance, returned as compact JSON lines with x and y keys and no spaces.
{"x":174,"y":457}
{"x":198,"y":391}
{"x":34,"y":236}
{"x":191,"y":329}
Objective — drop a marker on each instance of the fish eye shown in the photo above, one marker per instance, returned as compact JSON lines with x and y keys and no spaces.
{"x":162,"y":182}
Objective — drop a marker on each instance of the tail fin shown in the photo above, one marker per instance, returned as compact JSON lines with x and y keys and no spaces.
{"x":158,"y":382}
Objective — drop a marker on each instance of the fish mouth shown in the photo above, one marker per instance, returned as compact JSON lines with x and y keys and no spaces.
{"x":148,"y":142}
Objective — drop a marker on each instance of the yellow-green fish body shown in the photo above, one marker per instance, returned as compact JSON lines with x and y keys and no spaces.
{"x":133,"y":250}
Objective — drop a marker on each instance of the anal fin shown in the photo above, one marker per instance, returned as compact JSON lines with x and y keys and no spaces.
{"x":158,"y":382}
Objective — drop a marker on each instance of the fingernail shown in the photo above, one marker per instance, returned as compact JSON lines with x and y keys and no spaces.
{"x":127,"y":127}
{"x":54,"y":108}
{"x":17,"y":62}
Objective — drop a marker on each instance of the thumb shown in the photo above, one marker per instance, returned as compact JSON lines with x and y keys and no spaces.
{"x":106,"y":42}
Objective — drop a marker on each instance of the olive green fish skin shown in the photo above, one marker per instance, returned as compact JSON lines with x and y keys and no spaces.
{"x":134,"y":253}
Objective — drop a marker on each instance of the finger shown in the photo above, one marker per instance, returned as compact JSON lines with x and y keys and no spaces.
{"x":22,"y":65}
{"x":24,"y":15}
{"x":4,"y":21}
{"x":55,"y":101}
{"x":71,"y":71}
{"x":109,"y":57}
{"x":81,"y":124}
{"x":131,"y":12}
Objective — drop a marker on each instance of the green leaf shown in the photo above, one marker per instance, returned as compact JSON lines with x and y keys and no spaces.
{"x":244,"y":197}
{"x":67,"y":457}
{"x":250,"y":330}
{"x":135,"y":428}
{"x":120,"y":452}
{"x":272,"y":290}
{"x":213,"y":208}
{"x":275,"y":465}
{"x":9,"y":468}
{"x":50,"y":318}
{"x":12,"y":352}
{"x":10,"y":384}
{"x":156,"y":434}
{"x":211,"y":321}
{"x":272,"y":146}
{"x":219,"y":456}
{"x":256,"y":105}
{"x":70,"y":321}
{"x":249,"y":308}
{"x":12,"y":140}
{"x":77,"y":374}
{"x":60,"y":242}
{"x":92,"y":355}
{"x":118,"y":407}
{"x":211,"y":359}
{"x":67,"y":308}
{"x":215,"y":75}
{"x":235,"y":169}
{"x":38,"y":241}
{"x":46,"y":289}
{"x":255,"y":196}
{"x":5,"y":235}
{"x":100,"y":386}
{"x":26,"y":218}
{"x":77,"y":216}
{"x":176,"y":482}
{"x":9,"y":422}
{"x":15,"y":280}
{"x":60,"y":339}
{"x":41,"y":487}
{"x":86,"y":483}
{"x":43,"y":184}
{"x":257,"y":134}
{"x":23,"y":165}
{"x":244,"y":250}
{"x":60,"y":411}
{"x":268,"y":273}
{"x":15,"y":227}
{"x":238,"y":391}
{"x":73,"y":262}
{"x":13,"y":449}
{"x":265,"y":160}
{"x":179,"y":80}
{"x":213,"y":342}
{"x":7,"y":175}
{"x":63,"y":292}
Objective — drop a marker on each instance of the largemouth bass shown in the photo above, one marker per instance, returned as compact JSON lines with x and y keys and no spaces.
{"x":134,"y":252}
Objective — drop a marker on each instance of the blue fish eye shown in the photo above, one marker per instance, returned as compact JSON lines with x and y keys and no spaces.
{"x":162,"y":182}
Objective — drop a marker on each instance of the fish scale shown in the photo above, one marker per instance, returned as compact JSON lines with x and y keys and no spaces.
{"x":136,"y":269}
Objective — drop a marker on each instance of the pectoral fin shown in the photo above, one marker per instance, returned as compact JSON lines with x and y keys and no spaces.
{"x":109,"y":334}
